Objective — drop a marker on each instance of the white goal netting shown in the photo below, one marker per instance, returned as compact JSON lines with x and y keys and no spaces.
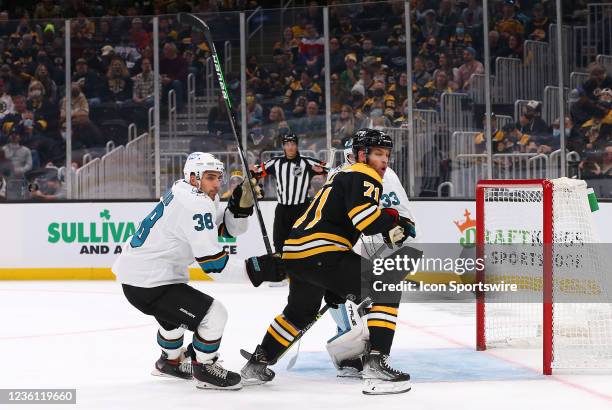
{"x":514,"y":234}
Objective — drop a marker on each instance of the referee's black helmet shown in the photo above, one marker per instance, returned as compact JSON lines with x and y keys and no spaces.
{"x":289,"y":137}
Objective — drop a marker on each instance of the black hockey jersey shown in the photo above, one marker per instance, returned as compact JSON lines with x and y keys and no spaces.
{"x":344,"y":208}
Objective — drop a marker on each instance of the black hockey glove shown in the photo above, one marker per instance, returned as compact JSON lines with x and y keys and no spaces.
{"x":265,"y":268}
{"x":333,"y":300}
{"x":241,"y":202}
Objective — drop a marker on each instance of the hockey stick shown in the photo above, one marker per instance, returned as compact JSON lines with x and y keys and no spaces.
{"x":198,"y":23}
{"x":320,"y":313}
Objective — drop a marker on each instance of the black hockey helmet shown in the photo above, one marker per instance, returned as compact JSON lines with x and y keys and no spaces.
{"x":367,"y":138}
{"x":289,"y":137}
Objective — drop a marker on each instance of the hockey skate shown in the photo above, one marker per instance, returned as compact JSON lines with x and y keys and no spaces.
{"x":380,"y":378}
{"x":350,"y":368}
{"x":179,"y":368}
{"x":256,"y":371}
{"x":213,"y":376}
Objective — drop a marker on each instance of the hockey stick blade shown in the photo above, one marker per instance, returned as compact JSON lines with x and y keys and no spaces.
{"x":199,"y":24}
{"x":246,"y":354}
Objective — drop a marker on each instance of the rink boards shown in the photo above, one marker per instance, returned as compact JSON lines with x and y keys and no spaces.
{"x":80,"y":241}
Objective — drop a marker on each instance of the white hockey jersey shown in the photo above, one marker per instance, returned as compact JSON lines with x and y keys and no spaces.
{"x":182,"y":227}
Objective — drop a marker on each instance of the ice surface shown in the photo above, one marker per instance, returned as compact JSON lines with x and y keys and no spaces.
{"x":85,"y":335}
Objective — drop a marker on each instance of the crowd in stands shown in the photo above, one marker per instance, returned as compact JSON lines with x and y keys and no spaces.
{"x":112,"y":77}
{"x":368,"y":63}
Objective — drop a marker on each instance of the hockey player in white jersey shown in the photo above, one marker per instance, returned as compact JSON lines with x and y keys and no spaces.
{"x":347,"y":347}
{"x":153,"y":270}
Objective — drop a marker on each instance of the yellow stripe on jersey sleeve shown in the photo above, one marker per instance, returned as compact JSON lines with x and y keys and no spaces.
{"x":318,"y":235}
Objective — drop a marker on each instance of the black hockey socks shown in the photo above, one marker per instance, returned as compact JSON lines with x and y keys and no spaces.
{"x":381,"y":324}
{"x":279,"y":336}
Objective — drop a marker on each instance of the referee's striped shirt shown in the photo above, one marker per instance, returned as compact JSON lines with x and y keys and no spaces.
{"x":292,"y":177}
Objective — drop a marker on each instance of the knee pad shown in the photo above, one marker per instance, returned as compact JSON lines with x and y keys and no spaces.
{"x":352,"y":338}
{"x":207,"y":337}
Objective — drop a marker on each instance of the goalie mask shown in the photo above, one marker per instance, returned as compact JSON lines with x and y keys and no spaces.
{"x":200,"y":162}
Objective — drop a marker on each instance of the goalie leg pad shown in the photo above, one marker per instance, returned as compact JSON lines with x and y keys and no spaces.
{"x":352,"y":340}
{"x":265,"y":268}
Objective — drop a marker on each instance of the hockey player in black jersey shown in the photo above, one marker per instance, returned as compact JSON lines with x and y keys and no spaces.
{"x":319,"y":261}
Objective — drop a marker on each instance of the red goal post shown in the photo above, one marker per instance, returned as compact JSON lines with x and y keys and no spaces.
{"x":547,"y":233}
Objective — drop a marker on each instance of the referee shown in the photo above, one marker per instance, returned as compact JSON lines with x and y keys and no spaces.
{"x":293,"y":173}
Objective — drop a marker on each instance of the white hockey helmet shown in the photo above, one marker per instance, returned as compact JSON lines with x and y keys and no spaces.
{"x":348,"y":152}
{"x":200,"y":162}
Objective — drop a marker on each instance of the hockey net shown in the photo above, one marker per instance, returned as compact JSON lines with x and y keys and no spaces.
{"x":557,"y":307}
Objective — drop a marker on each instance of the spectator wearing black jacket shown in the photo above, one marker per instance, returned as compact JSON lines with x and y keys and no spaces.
{"x":89,"y":81}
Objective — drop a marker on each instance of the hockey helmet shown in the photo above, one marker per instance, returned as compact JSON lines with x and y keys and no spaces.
{"x":348,"y":150}
{"x":367,"y":138}
{"x":200,"y":162}
{"x":289,"y":137}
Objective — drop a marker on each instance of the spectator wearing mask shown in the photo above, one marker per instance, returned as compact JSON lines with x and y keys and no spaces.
{"x":41,"y":107}
{"x":20,"y":156}
{"x":89,"y":82}
{"x":380,"y":103}
{"x":144,"y":85}
{"x":78,"y":103}
{"x":118,"y":85}
{"x":469,"y":67}
{"x":254,"y":110}
{"x":6,"y":102}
